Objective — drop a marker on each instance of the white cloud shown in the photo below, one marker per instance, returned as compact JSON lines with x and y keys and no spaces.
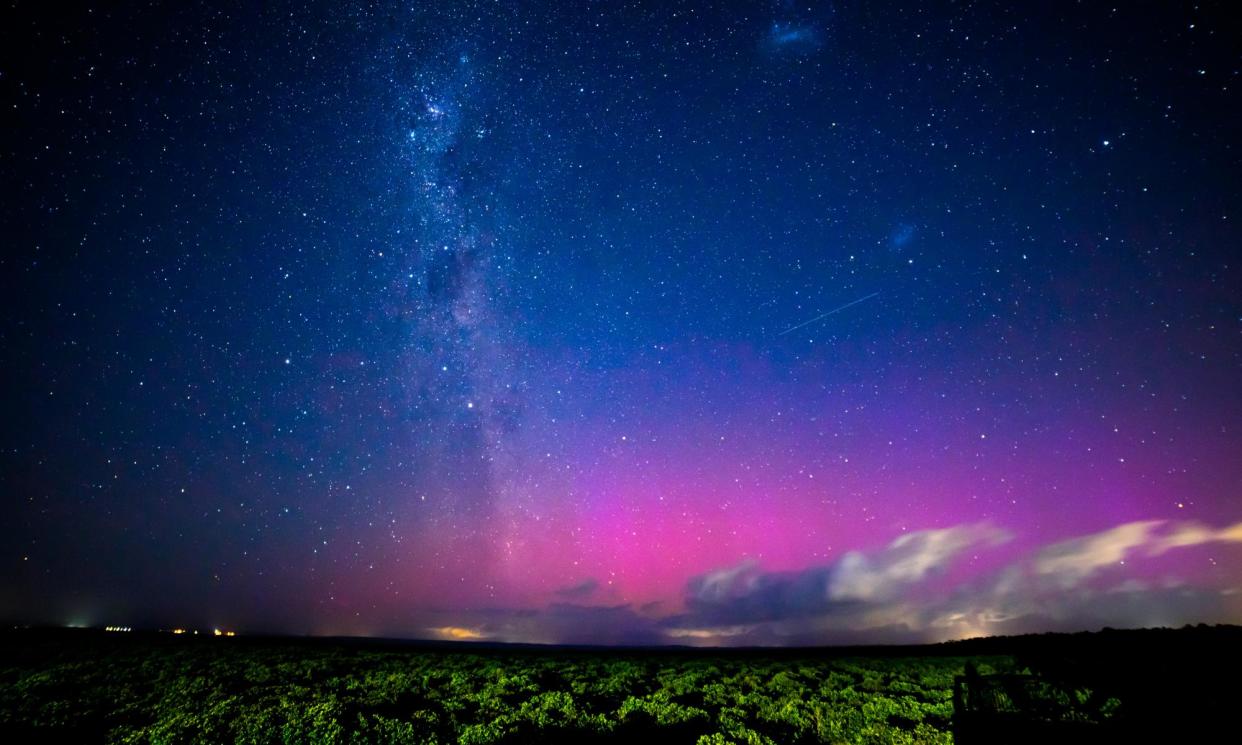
{"x":875,"y":594}
{"x":906,"y":561}
{"x":722,"y":583}
{"x":1070,"y":562}
{"x":1194,"y":534}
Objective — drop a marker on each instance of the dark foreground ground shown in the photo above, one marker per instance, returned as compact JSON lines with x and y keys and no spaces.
{"x":87,"y":686}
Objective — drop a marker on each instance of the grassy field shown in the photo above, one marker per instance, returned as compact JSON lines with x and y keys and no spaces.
{"x":153,"y":689}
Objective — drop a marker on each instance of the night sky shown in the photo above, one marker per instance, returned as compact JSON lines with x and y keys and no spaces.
{"x":669,"y":322}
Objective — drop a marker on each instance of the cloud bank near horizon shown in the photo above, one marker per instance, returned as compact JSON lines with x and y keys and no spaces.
{"x":908,"y":591}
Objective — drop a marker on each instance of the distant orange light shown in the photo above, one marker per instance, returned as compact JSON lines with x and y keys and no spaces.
{"x":457,"y":632}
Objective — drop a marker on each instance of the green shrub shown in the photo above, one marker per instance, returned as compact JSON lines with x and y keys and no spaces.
{"x":275,"y":692}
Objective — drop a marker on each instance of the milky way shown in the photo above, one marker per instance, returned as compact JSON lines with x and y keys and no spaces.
{"x":659,"y":323}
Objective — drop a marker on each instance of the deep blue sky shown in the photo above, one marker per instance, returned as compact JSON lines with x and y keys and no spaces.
{"x":614,"y":322}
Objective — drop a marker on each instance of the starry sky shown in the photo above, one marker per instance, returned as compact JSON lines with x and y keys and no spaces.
{"x":621,"y":323}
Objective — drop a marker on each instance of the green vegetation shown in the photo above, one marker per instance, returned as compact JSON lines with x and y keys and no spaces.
{"x":261,"y":692}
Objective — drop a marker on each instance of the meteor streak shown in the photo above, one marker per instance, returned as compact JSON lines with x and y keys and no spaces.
{"x":825,"y":315}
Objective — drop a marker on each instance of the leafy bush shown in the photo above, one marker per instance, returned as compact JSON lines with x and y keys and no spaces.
{"x":275,"y":692}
